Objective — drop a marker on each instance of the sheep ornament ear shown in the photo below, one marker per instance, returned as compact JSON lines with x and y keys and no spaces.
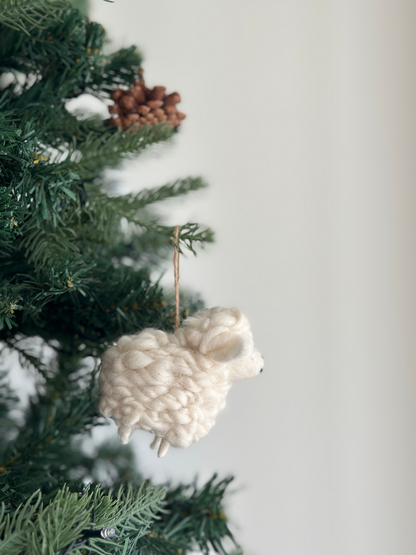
{"x":224,"y":346}
{"x":235,"y":347}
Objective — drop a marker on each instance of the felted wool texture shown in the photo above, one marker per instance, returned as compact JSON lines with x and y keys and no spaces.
{"x":174,"y":384}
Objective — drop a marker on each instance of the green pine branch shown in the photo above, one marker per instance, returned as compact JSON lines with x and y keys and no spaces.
{"x":27,"y":15}
{"x":105,"y":212}
{"x":149,"y":196}
{"x":195,"y":517}
{"x":108,"y":149}
{"x":64,"y":523}
{"x":65,"y":129}
{"x":121,"y":68}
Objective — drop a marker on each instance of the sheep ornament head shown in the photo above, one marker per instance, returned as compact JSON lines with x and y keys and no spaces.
{"x":174,"y":384}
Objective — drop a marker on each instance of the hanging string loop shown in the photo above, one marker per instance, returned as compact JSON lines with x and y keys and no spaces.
{"x":176,"y":271}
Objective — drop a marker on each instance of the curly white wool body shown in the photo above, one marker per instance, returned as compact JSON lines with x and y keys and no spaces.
{"x":174,"y":385}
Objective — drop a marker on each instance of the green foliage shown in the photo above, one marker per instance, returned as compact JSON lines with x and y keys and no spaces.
{"x":26,"y":16}
{"x":104,"y":150}
{"x":62,"y":522}
{"x":195,"y":520}
{"x":76,"y":273}
{"x":61,"y":235}
{"x":81,"y":5}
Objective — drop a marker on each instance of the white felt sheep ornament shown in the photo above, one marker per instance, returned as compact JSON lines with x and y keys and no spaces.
{"x":174,"y":384}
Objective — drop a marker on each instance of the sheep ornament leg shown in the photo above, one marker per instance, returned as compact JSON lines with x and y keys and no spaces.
{"x":174,"y":384}
{"x":156,"y":443}
{"x":161,"y":445}
{"x":124,"y":432}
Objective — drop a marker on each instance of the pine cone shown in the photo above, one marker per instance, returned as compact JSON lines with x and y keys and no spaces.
{"x":140,"y":106}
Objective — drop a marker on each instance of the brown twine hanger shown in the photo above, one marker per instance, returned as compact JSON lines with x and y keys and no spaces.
{"x":176,"y":270}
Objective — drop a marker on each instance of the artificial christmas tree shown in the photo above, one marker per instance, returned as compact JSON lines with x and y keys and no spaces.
{"x":72,"y":281}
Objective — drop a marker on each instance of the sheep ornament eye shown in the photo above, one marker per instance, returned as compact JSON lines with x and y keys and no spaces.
{"x":174,"y":384}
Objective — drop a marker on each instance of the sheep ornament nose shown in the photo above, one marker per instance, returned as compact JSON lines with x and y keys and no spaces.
{"x":174,"y":384}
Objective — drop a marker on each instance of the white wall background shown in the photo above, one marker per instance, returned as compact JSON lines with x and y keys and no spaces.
{"x":301,"y":115}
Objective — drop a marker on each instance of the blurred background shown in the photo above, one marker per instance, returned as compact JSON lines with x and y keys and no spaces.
{"x":301,"y":116}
